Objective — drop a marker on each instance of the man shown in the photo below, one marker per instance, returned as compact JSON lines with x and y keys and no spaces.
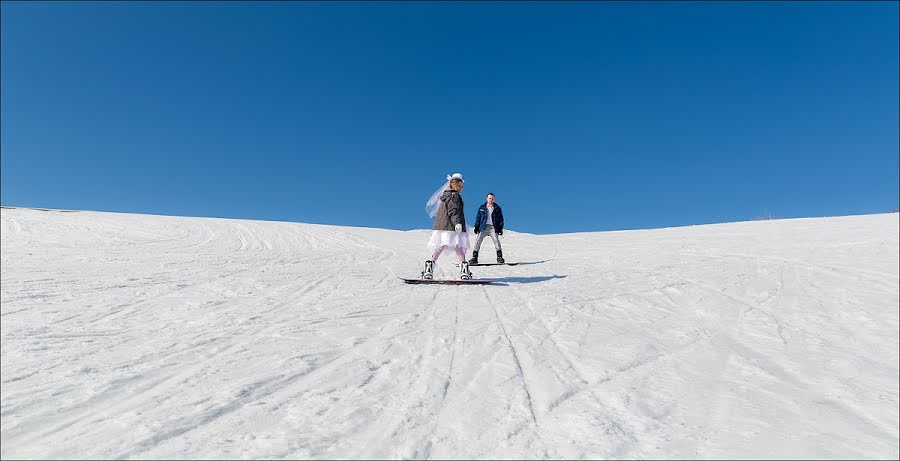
{"x":489,"y":221}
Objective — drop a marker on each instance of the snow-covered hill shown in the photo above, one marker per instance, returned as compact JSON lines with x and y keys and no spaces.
{"x":136,"y":336}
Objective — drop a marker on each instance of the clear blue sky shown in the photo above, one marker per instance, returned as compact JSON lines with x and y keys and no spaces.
{"x":579,"y":116}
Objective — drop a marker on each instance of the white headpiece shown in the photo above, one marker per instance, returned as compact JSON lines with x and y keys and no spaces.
{"x":434,"y":202}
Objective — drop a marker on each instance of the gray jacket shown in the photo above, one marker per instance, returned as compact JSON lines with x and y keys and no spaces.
{"x":450,"y":212}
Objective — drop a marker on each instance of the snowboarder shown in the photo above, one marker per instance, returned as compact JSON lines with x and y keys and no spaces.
{"x":449,"y":229}
{"x":489,"y":221}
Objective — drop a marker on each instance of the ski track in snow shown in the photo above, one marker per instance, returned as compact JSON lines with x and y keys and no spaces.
{"x":137,"y":336}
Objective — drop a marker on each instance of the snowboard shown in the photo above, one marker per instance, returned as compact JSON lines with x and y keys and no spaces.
{"x":490,"y":264}
{"x":447,"y":282}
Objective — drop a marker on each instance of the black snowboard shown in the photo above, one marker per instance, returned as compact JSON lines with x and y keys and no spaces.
{"x":490,"y":264}
{"x":447,"y":282}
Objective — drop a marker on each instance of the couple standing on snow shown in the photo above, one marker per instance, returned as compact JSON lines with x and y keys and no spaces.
{"x":449,"y":229}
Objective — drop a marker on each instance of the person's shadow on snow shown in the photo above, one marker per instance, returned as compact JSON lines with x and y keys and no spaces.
{"x":541,"y":278}
{"x":527,"y":263}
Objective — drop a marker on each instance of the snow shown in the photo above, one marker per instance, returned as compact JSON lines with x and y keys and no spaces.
{"x":139,"y":336}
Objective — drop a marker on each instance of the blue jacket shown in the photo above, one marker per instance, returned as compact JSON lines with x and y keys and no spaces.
{"x":496,"y":218}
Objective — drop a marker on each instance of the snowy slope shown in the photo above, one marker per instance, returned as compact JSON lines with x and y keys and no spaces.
{"x":136,"y":336}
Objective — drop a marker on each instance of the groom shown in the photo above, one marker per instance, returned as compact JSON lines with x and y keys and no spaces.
{"x":489,"y":221}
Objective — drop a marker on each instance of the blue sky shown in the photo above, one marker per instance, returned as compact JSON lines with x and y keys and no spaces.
{"x":579,"y":116}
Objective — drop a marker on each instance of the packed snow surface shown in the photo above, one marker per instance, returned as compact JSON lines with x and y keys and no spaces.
{"x":138,"y":336}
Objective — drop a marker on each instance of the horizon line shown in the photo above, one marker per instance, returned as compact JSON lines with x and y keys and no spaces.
{"x":758,"y":219}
